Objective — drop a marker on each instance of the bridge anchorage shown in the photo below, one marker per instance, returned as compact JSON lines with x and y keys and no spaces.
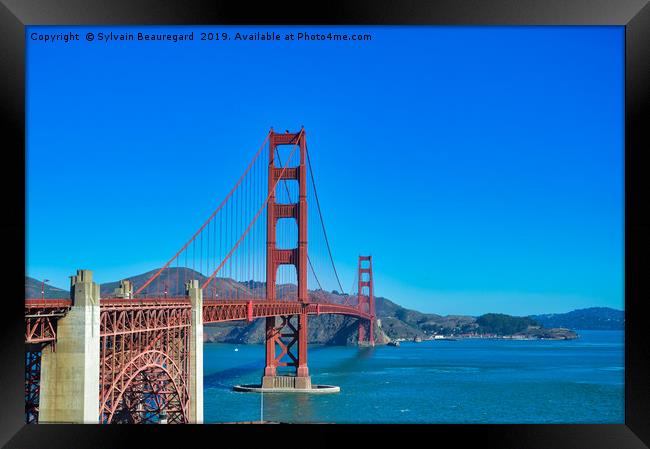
{"x":135,"y":355}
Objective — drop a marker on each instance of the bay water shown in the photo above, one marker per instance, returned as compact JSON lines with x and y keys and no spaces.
{"x":462,"y":381}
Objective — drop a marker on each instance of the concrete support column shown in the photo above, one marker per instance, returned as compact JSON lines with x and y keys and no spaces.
{"x":196,"y":353}
{"x":70,"y":375}
{"x":302,"y":370}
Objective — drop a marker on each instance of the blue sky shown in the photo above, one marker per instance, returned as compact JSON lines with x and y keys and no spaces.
{"x":482,"y":167}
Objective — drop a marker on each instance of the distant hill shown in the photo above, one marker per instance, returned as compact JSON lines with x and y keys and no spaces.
{"x":33,"y":290}
{"x":593,"y":318}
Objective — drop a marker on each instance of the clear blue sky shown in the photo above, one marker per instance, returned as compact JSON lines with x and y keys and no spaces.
{"x":481,"y":167}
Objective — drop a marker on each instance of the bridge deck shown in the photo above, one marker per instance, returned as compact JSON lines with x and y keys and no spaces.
{"x":41,"y":314}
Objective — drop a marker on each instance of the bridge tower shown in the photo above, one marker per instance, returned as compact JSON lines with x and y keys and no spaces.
{"x":365,"y":293}
{"x":291,"y":330}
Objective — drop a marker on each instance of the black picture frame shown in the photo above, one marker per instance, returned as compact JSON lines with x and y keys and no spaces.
{"x":633,"y":14}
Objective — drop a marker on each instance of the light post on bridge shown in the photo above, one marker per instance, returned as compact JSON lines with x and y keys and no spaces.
{"x":43,"y":288}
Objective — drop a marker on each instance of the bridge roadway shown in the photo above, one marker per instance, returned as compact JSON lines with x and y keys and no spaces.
{"x":41,"y":314}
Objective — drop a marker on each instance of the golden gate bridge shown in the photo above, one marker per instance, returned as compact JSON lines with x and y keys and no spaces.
{"x":135,"y":355}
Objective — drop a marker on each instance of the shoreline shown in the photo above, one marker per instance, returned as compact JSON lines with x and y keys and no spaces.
{"x":405,"y":340}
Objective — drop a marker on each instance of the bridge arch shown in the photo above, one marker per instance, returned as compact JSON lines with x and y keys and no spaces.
{"x":149,"y":384}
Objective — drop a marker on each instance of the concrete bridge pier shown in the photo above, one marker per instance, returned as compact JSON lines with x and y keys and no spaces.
{"x":196,"y":353}
{"x":69,"y":391}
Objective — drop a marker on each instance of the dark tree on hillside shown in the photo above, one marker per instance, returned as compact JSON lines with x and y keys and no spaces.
{"x":500,"y":324}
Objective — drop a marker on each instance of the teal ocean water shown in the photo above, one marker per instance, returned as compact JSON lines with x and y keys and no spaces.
{"x":464,"y":381}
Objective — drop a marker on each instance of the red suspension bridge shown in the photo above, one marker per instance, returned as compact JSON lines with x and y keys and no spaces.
{"x":134,"y":355}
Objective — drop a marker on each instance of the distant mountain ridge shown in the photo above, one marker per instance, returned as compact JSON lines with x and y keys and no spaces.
{"x":592,"y":318}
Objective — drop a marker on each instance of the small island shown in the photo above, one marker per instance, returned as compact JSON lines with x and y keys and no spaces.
{"x":488,"y":326}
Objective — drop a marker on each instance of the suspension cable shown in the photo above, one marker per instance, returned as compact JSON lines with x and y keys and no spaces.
{"x":320,"y":215}
{"x":205,"y":284}
{"x":210,"y":218}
